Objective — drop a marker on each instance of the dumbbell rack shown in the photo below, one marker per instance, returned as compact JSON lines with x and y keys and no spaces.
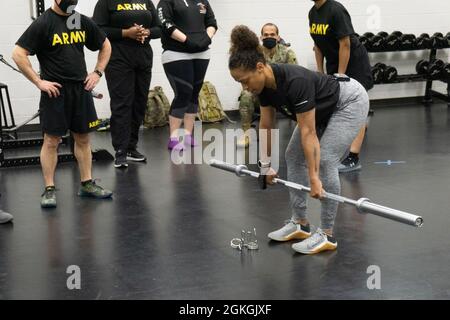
{"x":429,"y":92}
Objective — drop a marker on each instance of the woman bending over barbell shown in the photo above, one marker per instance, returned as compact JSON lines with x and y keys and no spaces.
{"x":329,"y":112}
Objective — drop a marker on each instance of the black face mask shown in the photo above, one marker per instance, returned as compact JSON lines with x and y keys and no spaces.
{"x":269,"y":43}
{"x":65,"y":4}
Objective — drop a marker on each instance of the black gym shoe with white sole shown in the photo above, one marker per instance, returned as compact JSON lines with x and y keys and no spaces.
{"x":349,"y":164}
{"x":136,"y":156}
{"x":121,"y":160}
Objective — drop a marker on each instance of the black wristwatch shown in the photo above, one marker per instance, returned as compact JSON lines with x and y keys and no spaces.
{"x":100,"y":74}
{"x":341,"y":77}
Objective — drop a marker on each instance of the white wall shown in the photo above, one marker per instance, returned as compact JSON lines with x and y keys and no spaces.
{"x":411,"y":16}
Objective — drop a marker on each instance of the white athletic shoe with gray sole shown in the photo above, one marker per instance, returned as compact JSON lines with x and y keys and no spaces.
{"x":5,"y":217}
{"x":290,"y":231}
{"x":318,"y":242}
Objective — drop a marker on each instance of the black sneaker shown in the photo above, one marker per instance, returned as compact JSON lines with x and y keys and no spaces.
{"x":105,"y":125}
{"x":349,"y":164}
{"x":136,"y":156}
{"x":93,"y":190}
{"x":121,"y":160}
{"x":48,"y":198}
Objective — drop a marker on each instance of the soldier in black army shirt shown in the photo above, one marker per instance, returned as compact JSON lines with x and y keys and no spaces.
{"x":335,"y":39}
{"x":58,"y":38}
{"x":129,"y":25}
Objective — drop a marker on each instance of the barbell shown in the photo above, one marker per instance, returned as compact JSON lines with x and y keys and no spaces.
{"x":363,"y":204}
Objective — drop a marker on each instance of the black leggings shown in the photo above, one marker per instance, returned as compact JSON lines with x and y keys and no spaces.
{"x":128,"y":75}
{"x":186,"y":78}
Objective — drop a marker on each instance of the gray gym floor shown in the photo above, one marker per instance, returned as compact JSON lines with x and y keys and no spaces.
{"x":166,"y":233}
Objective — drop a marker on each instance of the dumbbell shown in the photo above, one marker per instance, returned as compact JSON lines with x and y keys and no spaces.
{"x":392,"y":42}
{"x":422,"y":67}
{"x":424,"y":41}
{"x":378,"y":72}
{"x":368,"y":35}
{"x":384,"y":74}
{"x":438,"y":41}
{"x":407,"y":41}
{"x":447,"y":40}
{"x":446,"y":71}
{"x":378,"y":42}
{"x":435,"y":69}
{"x":390,"y":74}
{"x":365,"y":39}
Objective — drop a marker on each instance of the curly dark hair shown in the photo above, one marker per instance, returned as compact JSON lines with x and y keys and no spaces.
{"x":245,"y":51}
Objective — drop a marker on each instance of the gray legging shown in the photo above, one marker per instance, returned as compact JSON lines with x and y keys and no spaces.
{"x":343,"y":127}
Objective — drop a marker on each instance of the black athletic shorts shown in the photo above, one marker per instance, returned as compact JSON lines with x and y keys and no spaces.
{"x":73,"y":110}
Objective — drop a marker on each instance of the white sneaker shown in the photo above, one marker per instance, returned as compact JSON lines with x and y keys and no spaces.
{"x":290,"y":231}
{"x":5,"y":217}
{"x":318,"y":242}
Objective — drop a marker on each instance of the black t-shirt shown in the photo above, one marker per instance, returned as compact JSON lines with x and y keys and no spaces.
{"x":115,"y":15}
{"x":330,"y":23}
{"x":300,"y":90}
{"x":192,"y":17}
{"x":60,"y":50}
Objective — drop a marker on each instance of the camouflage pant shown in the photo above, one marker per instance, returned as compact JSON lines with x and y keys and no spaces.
{"x":247,"y":105}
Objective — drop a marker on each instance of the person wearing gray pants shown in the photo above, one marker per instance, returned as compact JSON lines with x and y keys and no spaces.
{"x":342,"y":128}
{"x":329,"y":111}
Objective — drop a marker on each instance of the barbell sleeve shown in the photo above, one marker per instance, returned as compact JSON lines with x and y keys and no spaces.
{"x":363,"y":204}
{"x":236,"y":169}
